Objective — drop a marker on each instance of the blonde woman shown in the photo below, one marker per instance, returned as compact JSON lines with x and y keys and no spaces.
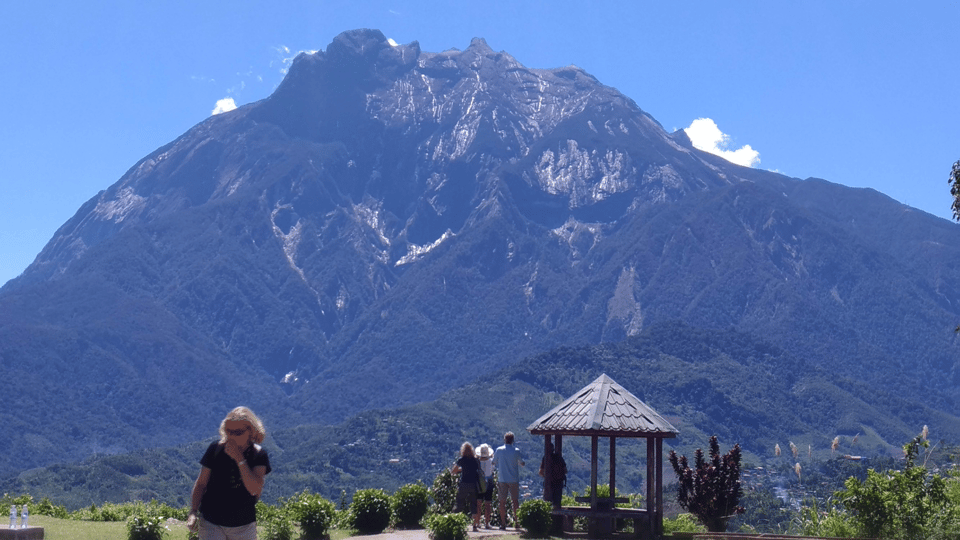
{"x":232,"y":473}
{"x":469,"y":468}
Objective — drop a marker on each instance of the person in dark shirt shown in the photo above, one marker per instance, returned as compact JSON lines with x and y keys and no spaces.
{"x":553,"y":469}
{"x":469,"y":468}
{"x":232,"y":473}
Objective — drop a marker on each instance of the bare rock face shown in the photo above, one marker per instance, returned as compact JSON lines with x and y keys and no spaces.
{"x":390,"y":219}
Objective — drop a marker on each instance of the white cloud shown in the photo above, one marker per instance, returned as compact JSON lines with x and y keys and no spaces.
{"x":285,"y":57}
{"x":706,"y":136}
{"x":224,"y":105}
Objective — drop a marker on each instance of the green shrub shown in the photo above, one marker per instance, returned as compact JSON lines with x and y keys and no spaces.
{"x":47,"y":508}
{"x":114,"y":512}
{"x":370,"y":511}
{"x":107,"y":512}
{"x":277,"y":527}
{"x":409,"y":504}
{"x":682,"y":523}
{"x":18,"y":500}
{"x":121,"y":512}
{"x":447,"y":526}
{"x":166,"y":511}
{"x":274,"y":522}
{"x":266,"y":511}
{"x":535,"y":516}
{"x":811,"y":521}
{"x":145,"y":527}
{"x":897,"y":504}
{"x":314,"y":513}
{"x":444,"y":492}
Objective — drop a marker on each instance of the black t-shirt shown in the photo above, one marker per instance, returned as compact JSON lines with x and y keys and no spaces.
{"x":226,"y":502}
{"x":469,"y":470}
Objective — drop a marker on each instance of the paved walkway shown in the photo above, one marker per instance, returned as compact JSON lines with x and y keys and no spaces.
{"x":412,"y":534}
{"x":423,"y":534}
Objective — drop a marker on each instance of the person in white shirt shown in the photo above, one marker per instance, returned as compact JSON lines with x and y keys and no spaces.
{"x":485,"y":500}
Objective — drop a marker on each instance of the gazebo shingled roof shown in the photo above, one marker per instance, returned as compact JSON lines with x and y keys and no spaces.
{"x":603,"y":408}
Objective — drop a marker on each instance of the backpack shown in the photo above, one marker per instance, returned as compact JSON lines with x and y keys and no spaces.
{"x":559,"y":472}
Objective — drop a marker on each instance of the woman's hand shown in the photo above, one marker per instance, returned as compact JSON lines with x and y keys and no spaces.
{"x":233,"y":450}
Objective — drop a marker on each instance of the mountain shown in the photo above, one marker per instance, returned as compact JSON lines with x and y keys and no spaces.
{"x":393,"y":223}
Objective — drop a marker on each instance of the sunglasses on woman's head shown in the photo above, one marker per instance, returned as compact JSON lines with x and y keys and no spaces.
{"x":237,"y":432}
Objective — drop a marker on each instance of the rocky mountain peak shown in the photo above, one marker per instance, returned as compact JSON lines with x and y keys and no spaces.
{"x":428,"y":137}
{"x":363,"y":57}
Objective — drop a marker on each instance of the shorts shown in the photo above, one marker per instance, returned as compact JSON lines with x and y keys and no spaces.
{"x":488,"y":494}
{"x":210,"y":531}
{"x":512,"y":487}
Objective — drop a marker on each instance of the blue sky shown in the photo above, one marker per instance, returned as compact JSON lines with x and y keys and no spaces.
{"x":860,"y":93}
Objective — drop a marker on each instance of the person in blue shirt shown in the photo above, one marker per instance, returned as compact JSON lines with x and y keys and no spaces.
{"x":507,"y":461}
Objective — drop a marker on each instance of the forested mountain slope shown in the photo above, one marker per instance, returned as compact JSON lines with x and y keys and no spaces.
{"x":705,"y":382}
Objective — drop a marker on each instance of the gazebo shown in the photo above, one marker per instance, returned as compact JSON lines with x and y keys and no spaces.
{"x":603,"y":408}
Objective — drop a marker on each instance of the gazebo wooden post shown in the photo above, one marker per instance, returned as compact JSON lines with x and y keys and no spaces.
{"x":558,"y":449}
{"x":547,"y":459}
{"x":593,"y":472}
{"x":653,"y":480}
{"x":613,"y":467}
{"x":557,"y":519}
{"x":658,"y":532}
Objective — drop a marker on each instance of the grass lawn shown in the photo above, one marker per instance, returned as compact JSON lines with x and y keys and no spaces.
{"x":70,"y":529}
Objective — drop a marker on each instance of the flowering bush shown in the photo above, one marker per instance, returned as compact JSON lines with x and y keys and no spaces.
{"x":145,"y":527}
{"x":277,"y":527}
{"x":447,"y":526}
{"x":314,"y":513}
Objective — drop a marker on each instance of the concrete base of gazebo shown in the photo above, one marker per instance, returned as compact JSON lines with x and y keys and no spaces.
{"x":602,"y":523}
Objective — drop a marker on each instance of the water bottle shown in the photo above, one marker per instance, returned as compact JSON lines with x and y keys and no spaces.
{"x":13,"y":516}
{"x":24,"y":515}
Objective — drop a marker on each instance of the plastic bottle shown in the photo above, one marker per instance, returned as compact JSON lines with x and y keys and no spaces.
{"x":24,"y":515}
{"x":13,"y":516}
